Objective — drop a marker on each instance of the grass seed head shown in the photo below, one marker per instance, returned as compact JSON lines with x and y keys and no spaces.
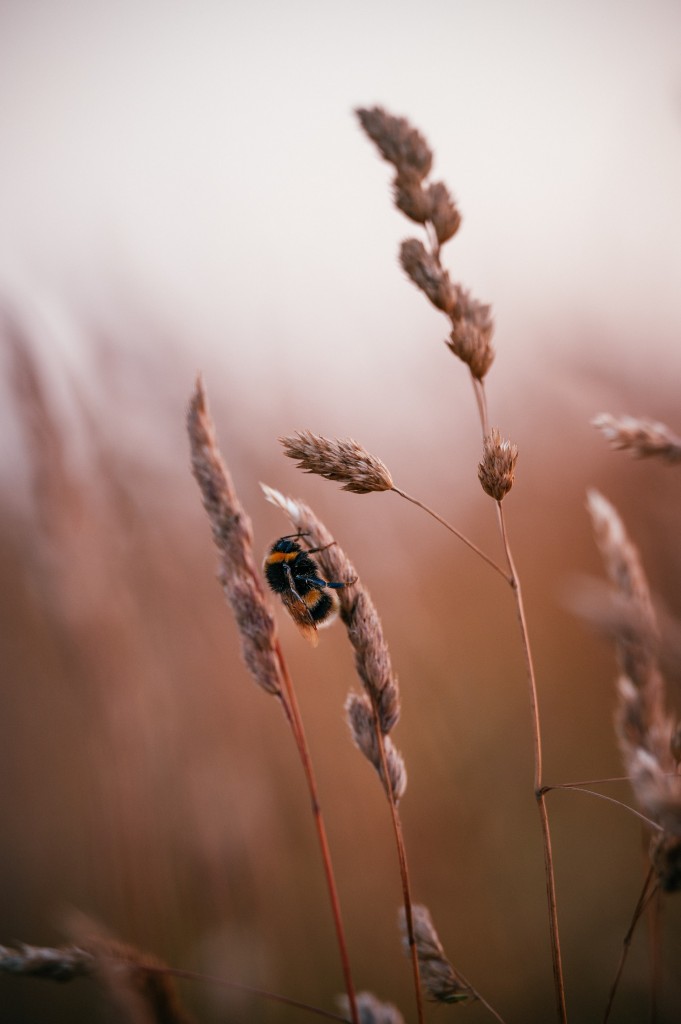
{"x":428,"y":274}
{"x":398,"y":143}
{"x":342,"y":460}
{"x":470,"y":338}
{"x":372,"y":1010}
{"x":233,"y":538}
{"x":441,"y":982}
{"x":444,"y":215}
{"x":496,"y":472}
{"x":642,"y":437}
{"x":362,"y":722}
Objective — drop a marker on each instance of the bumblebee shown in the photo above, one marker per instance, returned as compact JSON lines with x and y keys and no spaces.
{"x":292,"y":573}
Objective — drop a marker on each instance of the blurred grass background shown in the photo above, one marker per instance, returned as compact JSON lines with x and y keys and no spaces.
{"x":147,"y":781}
{"x":185,"y":190}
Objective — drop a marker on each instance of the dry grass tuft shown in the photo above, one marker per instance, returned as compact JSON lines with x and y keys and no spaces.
{"x":496,"y":472}
{"x":642,"y":437}
{"x":61,"y":964}
{"x":398,"y":142}
{"x":433,"y":206}
{"x":440,"y":981}
{"x":372,"y":1010}
{"x":233,"y":538}
{"x":361,"y":719}
{"x":342,"y":460}
{"x":647,"y":734}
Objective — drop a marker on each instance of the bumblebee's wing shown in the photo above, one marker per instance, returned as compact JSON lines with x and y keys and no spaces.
{"x":298,"y":611}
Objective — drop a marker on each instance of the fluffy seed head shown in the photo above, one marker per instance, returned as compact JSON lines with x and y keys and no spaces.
{"x":362,"y":722}
{"x":411,"y":198}
{"x":648,"y":736}
{"x":343,"y":460}
{"x":233,"y":538}
{"x":642,"y":437}
{"x":428,"y":274}
{"x":444,"y":214}
{"x":496,"y":472}
{"x":398,"y":143}
{"x":441,"y":982}
{"x":471,"y":335}
{"x":372,"y":1010}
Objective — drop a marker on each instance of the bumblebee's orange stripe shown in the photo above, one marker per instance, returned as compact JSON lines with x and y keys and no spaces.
{"x":282,"y":556}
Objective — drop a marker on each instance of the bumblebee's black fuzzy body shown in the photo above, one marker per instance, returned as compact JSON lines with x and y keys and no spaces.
{"x":293,"y":573}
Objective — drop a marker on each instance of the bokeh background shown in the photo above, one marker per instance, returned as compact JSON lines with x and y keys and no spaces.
{"x":183,"y":188}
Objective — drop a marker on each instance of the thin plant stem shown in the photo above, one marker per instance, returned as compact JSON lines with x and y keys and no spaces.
{"x":591,"y":782}
{"x":452,"y":529}
{"x":481,"y":999}
{"x":404,"y":870}
{"x":292,"y":711}
{"x":275,"y":997}
{"x":654,"y":926}
{"x":582,"y":788}
{"x":647,"y":893}
{"x":481,"y":401}
{"x":539,"y":791}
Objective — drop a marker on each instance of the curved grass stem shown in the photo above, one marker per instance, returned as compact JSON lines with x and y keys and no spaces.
{"x":539,"y":789}
{"x":452,"y":529}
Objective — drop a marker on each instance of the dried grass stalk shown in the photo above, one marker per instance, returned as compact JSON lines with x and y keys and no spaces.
{"x":433,"y":206}
{"x":440,"y":981}
{"x":398,"y":143}
{"x":233,"y":538}
{"x":642,"y":437}
{"x":342,"y":460}
{"x":497,"y":469}
{"x":636,"y":642}
{"x":645,"y":731}
{"x":470,"y":338}
{"x":260,"y":647}
{"x":428,"y":274}
{"x":361,"y":720}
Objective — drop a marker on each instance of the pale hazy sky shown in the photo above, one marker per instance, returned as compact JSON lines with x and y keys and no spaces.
{"x":202,"y":159}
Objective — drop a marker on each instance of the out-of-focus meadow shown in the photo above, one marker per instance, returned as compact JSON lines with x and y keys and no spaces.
{"x":146,"y":780}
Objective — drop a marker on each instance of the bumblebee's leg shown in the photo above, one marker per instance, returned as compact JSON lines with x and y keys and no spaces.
{"x":314,"y":582}
{"x":291,"y":584}
{"x":313,"y":551}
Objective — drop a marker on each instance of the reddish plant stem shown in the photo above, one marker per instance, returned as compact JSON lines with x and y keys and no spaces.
{"x":289,"y":703}
{"x":539,"y":790}
{"x":404,"y":870}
